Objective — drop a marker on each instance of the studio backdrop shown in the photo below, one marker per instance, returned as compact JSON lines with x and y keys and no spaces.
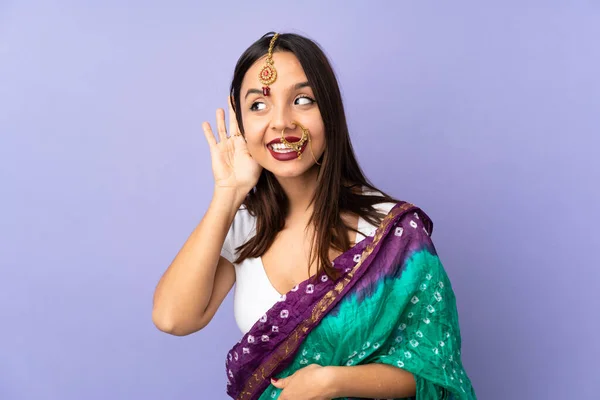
{"x":484,"y":114}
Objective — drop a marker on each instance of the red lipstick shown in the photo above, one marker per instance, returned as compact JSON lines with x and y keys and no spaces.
{"x":289,"y":155}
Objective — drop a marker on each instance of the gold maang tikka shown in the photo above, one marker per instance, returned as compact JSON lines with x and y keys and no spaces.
{"x":268,"y":74}
{"x":297,"y":146}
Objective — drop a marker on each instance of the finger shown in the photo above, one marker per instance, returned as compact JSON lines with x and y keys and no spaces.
{"x":278,"y":383}
{"x":239,"y":144}
{"x":221,"y":124}
{"x":233,"y":125}
{"x":208,"y":133}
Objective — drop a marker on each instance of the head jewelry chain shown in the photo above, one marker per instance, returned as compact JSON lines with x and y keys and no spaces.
{"x":267,"y":76}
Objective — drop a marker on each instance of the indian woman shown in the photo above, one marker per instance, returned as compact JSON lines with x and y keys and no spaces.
{"x":339,"y":291}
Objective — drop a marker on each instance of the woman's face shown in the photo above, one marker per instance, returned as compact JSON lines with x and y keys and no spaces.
{"x":264,"y":117}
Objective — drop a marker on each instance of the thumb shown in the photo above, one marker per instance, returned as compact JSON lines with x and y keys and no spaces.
{"x":279,"y":383}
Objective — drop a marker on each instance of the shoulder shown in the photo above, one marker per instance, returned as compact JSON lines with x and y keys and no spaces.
{"x":383,"y":207}
{"x":413,"y":224}
{"x":242,"y":229}
{"x":414,"y":217}
{"x":243,"y":220}
{"x":406,"y":215}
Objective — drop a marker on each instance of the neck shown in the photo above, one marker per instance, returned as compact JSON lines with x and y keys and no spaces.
{"x":300,"y":191}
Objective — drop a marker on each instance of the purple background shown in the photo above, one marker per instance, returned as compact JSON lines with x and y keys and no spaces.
{"x":486,"y":115}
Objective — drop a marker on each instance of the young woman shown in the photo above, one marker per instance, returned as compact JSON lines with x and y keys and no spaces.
{"x":338,"y":288}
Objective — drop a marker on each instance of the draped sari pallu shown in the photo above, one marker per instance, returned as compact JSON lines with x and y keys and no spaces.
{"x":392,"y":304}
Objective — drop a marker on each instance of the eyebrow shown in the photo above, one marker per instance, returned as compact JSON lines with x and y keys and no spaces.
{"x":297,"y":86}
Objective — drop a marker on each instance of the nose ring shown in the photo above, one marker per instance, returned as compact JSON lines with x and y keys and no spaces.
{"x":297,"y":146}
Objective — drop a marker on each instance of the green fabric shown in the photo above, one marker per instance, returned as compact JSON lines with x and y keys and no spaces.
{"x":409,"y":321}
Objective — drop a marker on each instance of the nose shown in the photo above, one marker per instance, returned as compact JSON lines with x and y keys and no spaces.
{"x":282,"y":119}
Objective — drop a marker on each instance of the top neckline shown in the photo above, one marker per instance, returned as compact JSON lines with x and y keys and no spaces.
{"x":360,"y":227}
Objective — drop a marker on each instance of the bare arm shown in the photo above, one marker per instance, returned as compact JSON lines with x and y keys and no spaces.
{"x":371,"y":381}
{"x":195,"y":284}
{"x":360,"y":381}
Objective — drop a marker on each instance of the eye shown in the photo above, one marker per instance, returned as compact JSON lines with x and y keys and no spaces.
{"x":257,"y":106}
{"x":304,"y":100}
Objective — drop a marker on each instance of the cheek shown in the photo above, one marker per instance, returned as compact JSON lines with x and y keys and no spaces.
{"x":254,"y":138}
{"x":254,"y":143}
{"x":251,"y":132}
{"x":319,"y":136}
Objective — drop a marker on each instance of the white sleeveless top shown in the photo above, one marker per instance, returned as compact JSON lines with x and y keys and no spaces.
{"x":254,"y":294}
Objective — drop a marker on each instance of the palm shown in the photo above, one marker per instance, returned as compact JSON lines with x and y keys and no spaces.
{"x":232,"y":165}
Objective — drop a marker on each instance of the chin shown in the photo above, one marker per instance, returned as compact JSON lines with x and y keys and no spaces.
{"x":289,"y":169}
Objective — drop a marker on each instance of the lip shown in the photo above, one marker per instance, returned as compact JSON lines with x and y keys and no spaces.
{"x":291,"y":139}
{"x":292,"y":155}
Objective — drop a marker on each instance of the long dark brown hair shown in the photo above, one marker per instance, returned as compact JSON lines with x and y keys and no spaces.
{"x":340,"y":179}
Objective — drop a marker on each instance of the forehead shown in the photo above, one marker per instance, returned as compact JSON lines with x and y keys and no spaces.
{"x":289,"y":71}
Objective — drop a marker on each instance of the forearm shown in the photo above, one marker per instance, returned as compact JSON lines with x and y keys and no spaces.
{"x":371,"y":381}
{"x":184,"y":290}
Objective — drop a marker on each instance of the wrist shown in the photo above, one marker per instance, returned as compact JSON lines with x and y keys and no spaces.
{"x":228,"y":199}
{"x":330,"y":385}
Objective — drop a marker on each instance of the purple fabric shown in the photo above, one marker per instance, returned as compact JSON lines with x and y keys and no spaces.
{"x":260,"y":354}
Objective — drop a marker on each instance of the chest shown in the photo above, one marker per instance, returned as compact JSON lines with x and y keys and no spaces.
{"x":287,"y":261}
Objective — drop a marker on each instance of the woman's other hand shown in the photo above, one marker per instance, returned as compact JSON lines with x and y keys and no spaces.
{"x":312,"y":382}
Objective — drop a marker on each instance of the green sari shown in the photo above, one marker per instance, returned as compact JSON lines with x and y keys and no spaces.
{"x":393,"y":305}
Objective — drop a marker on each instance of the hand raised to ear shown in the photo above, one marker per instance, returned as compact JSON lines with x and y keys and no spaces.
{"x":233,"y":166}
